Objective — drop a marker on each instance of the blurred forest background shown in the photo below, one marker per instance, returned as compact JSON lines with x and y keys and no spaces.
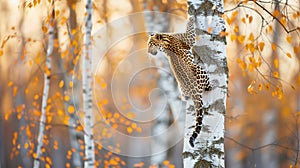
{"x":263,"y":108}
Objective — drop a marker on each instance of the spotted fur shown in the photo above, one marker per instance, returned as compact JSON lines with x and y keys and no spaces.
{"x":191,"y":78}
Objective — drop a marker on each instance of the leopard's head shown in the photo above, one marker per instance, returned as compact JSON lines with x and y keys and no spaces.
{"x":157,"y":42}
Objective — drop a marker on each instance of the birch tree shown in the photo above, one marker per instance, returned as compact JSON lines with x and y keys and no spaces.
{"x":210,"y":51}
{"x":269,"y":157}
{"x":47,"y":76}
{"x":87,"y":89}
{"x":67,"y":90}
{"x":167,"y":84}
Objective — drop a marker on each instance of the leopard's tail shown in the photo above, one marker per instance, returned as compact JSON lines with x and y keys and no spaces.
{"x":197,"y":99}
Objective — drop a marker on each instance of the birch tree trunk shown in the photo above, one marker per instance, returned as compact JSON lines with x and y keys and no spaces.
{"x":210,"y":50}
{"x":165,"y":81}
{"x":87,"y":89}
{"x":161,"y":22}
{"x":269,"y":157}
{"x":47,"y":76}
{"x":67,"y":90}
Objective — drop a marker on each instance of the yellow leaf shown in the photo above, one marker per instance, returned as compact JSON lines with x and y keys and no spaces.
{"x":276,"y":63}
{"x":274,"y":47}
{"x":71,"y":109}
{"x":289,"y":39}
{"x":251,"y":59}
{"x":141,"y":164}
{"x":236,"y":29}
{"x":73,"y":31}
{"x":36,"y":97}
{"x":139,"y":129}
{"x":296,"y":49}
{"x":65,"y":53}
{"x":234,"y":14}
{"x":295,"y":15}
{"x":166,"y":162}
{"x":45,"y":29}
{"x":20,"y":108}
{"x":15,"y":91}
{"x":269,"y":29}
{"x":276,"y":13}
{"x":267,"y":86}
{"x":223,"y":33}
{"x":71,"y":84}
{"x":63,"y":20}
{"x":250,"y":88}
{"x":1,"y":53}
{"x":113,"y":162}
{"x":66,"y":98}
{"x":210,"y":29}
{"x":289,"y":55}
{"x":243,"y":20}
{"x":250,"y":68}
{"x":133,"y":125}
{"x":103,"y":85}
{"x":26,"y":145}
{"x":47,"y":71}
{"x":129,"y":130}
{"x":250,"y":47}
{"x":10,"y":83}
{"x":61,"y":84}
{"x":241,"y":63}
{"x":66,"y":120}
{"x":228,"y":20}
{"x":47,"y":165}
{"x":283,"y":21}
{"x":261,"y":46}
{"x":57,"y":12}
{"x":259,"y":87}
{"x":116,"y":115}
{"x":251,"y":37}
{"x":7,"y":114}
{"x":60,"y":112}
{"x":275,"y":74}
{"x":250,"y":19}
{"x":130,"y":115}
{"x":241,"y":38}
{"x":232,"y":37}
{"x":115,"y":126}
{"x":34,"y":155}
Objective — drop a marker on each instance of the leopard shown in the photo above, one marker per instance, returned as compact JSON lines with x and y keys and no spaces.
{"x":192,"y":78}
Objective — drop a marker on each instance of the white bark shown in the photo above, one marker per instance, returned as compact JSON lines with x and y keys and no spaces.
{"x":87,"y":89}
{"x":210,"y":48}
{"x":77,"y":159}
{"x":47,"y":75}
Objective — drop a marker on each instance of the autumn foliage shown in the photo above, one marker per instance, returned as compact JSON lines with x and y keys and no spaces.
{"x":263,"y":53}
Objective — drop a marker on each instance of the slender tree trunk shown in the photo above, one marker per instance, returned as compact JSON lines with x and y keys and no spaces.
{"x":270,"y":155}
{"x":47,"y":75}
{"x":21,"y":98}
{"x":210,"y":49}
{"x":67,"y":90}
{"x":87,"y":89}
{"x":160,"y":22}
